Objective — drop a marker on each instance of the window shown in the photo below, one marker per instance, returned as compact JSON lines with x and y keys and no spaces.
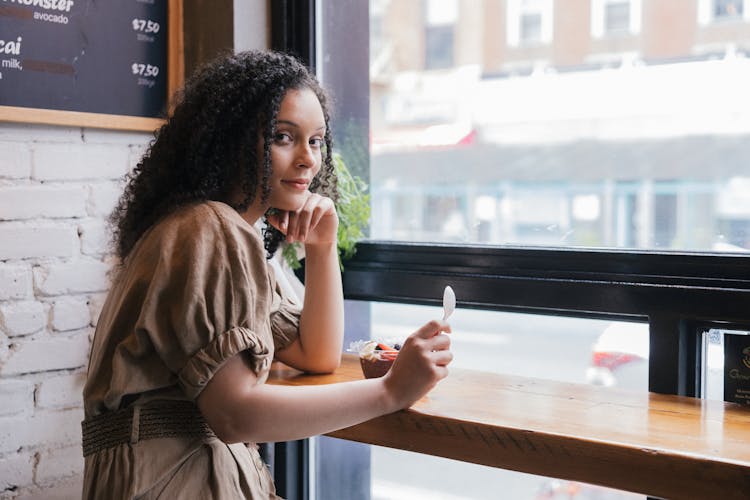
{"x":728,"y":9}
{"x":600,"y":352}
{"x":574,"y":154}
{"x":440,"y":19}
{"x":718,"y":11}
{"x":529,"y":22}
{"x":615,"y":17}
{"x":609,"y":203}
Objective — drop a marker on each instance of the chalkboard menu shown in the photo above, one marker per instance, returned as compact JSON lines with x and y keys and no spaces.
{"x":91,"y":56}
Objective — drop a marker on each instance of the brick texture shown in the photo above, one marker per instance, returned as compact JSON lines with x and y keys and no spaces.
{"x":17,"y":396}
{"x":94,"y":237}
{"x":22,"y":317}
{"x":81,"y":276}
{"x":32,"y":355}
{"x":16,"y":471}
{"x":57,"y":187}
{"x":103,"y":198}
{"x":62,"y":391}
{"x":48,"y":429}
{"x":59,"y":464}
{"x":16,"y":162}
{"x":15,"y":281}
{"x":70,"y":313}
{"x":53,"y":202}
{"x":53,"y":162}
{"x":25,"y":240}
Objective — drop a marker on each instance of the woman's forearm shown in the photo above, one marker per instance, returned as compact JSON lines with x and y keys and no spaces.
{"x":268,"y":413}
{"x":322,"y":321}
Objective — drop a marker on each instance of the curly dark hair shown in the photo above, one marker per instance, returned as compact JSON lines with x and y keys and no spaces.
{"x":208,"y":146}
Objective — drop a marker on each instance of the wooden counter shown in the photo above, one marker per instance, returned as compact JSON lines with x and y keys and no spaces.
{"x":665,"y":446}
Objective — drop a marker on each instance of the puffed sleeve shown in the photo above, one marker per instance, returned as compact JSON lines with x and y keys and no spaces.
{"x":209,"y":297}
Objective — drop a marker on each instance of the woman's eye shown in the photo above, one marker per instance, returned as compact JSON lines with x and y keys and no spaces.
{"x":318,"y":143}
{"x":282,"y":137}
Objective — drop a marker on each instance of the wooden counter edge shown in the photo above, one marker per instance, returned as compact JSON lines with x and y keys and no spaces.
{"x":655,"y":472}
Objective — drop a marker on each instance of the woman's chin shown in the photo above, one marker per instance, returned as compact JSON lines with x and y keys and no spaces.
{"x":289,"y":205}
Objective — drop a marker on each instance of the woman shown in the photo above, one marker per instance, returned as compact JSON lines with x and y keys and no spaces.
{"x":194,"y":318}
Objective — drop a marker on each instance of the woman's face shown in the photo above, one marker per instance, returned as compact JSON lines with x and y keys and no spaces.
{"x":296,"y":149}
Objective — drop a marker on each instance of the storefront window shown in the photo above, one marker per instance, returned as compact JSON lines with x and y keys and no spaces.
{"x":533,"y":127}
{"x":535,"y":144}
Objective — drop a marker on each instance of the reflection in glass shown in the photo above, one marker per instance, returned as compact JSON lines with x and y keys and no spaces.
{"x":592,"y":126}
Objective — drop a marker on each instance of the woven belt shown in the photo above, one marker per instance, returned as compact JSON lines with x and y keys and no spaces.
{"x":158,"y":419}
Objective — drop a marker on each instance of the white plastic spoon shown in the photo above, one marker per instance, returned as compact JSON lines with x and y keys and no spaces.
{"x":449,"y":302}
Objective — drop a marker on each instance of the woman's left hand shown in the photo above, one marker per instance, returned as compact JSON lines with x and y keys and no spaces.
{"x":315,"y":223}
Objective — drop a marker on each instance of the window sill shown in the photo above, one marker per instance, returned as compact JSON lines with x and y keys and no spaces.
{"x":654,"y":444}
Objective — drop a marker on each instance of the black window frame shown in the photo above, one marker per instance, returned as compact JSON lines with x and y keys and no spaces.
{"x":679,"y":294}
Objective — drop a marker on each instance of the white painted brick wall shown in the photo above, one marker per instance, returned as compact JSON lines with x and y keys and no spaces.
{"x":61,"y":490}
{"x":63,"y":391}
{"x":51,"y":201}
{"x":56,"y":464}
{"x":70,"y":313}
{"x":57,"y":187}
{"x":44,"y":430}
{"x":15,"y":281}
{"x":44,"y":353}
{"x":22,"y":317}
{"x":103,"y":198}
{"x":17,"y":396}
{"x":17,"y":471}
{"x":28,"y":240}
{"x":52,"y":162}
{"x":78,"y":276}
{"x":94,"y":236}
{"x":16,"y":162}
{"x":96,"y":302}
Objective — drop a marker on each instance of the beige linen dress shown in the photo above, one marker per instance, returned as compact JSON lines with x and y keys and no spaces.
{"x":194,"y":291}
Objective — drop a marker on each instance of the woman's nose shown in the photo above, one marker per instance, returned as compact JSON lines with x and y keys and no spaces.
{"x":305,"y":156}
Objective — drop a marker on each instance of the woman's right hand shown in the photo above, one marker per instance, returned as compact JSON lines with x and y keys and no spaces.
{"x":421,"y":363}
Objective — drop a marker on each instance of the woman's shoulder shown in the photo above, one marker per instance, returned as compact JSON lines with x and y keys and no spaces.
{"x":212,"y":217}
{"x":207,"y":227}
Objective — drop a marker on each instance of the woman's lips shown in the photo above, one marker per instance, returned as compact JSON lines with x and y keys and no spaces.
{"x":298,"y":184}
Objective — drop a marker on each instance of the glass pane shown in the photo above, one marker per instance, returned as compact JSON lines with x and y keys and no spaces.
{"x":617,"y":17}
{"x":439,"y":46}
{"x":401,"y":475}
{"x":531,"y":27}
{"x":599,"y":352}
{"x":635,"y":142}
{"x":565,"y":349}
{"x":728,"y":9}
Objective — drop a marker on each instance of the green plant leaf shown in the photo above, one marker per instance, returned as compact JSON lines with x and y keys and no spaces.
{"x":353,"y":208}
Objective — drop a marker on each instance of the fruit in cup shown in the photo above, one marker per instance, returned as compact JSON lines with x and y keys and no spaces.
{"x":376,"y":358}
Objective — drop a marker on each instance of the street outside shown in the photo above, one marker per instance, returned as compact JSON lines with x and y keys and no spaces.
{"x":548,"y":347}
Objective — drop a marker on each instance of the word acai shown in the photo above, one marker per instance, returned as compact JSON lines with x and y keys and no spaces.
{"x":12,"y":47}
